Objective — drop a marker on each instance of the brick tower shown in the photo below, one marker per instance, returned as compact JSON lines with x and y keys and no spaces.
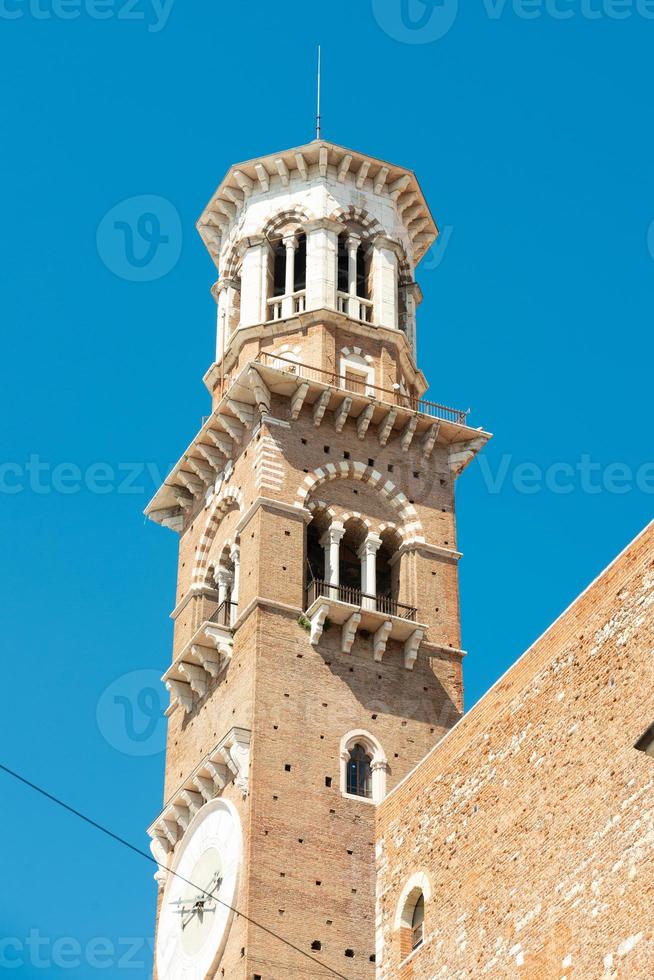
{"x":316,"y":653}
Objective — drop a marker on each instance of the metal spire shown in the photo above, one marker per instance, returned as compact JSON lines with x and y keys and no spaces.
{"x":318,"y":105}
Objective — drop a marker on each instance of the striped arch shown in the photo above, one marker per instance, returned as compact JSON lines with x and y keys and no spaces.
{"x":224,"y":499}
{"x":314,"y":505}
{"x":369,"y":225}
{"x":357,"y":516}
{"x":287,"y":222}
{"x":411,"y":528}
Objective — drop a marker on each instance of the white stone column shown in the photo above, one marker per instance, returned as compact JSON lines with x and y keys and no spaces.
{"x":331,"y":542}
{"x":255,"y":270}
{"x":223,"y":580}
{"x":385,"y":283}
{"x":290,"y":244}
{"x":235,"y":555}
{"x":368,"y":555}
{"x":378,"y":768}
{"x":322,"y":263}
{"x":225,"y":292}
{"x":353,"y":242}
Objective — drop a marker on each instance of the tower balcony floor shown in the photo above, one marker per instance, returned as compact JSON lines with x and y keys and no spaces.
{"x":389,"y":414}
{"x":353,"y":611}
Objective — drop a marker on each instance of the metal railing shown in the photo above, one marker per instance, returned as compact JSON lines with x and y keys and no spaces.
{"x":318,"y":589}
{"x":225,"y":614}
{"x":395,"y":397}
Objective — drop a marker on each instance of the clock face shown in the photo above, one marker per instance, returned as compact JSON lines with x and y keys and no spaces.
{"x":196,"y":912}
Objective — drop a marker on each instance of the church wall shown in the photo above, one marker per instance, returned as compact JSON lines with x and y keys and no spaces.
{"x":533,"y":820}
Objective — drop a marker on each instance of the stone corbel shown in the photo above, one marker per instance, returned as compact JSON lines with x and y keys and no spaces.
{"x":180,"y":693}
{"x":219,"y":772}
{"x":192,"y":800}
{"x":212,"y":662}
{"x":237,"y":747}
{"x":411,"y":647}
{"x":320,"y":407}
{"x":380,"y":639}
{"x":297,"y":400}
{"x":429,"y":441}
{"x":181,"y":816}
{"x":205,"y":787}
{"x":462,"y":453}
{"x":407,"y":435}
{"x":196,"y":677}
{"x":318,"y":623}
{"x":349,"y":631}
{"x":340,"y":416}
{"x":385,"y":428}
{"x":244,"y":413}
{"x":364,"y":419}
{"x":160,"y":847}
{"x":260,"y":390}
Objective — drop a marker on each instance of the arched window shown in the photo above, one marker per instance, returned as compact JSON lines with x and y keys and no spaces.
{"x":354,"y":263}
{"x":410,"y":915}
{"x":287,"y":275}
{"x":359,"y":772}
{"x":363,"y":767}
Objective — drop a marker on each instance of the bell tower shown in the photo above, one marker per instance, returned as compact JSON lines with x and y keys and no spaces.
{"x":316,"y":656}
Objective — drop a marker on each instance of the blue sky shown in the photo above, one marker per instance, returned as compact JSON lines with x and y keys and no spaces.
{"x":531,"y":133}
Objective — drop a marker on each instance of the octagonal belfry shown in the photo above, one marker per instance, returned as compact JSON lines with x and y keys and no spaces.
{"x":316,"y":654}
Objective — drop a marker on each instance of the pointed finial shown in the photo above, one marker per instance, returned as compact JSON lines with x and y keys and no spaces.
{"x":318,"y":105}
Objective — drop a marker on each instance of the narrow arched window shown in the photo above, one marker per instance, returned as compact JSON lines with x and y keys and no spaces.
{"x":417,"y":923}
{"x":359,"y":772}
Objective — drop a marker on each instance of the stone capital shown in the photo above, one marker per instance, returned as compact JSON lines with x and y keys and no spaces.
{"x":333,"y":535}
{"x":370,"y":546}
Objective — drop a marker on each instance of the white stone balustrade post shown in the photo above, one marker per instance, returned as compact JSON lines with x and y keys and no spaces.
{"x":368,"y":555}
{"x":385,"y":282}
{"x":290,"y":243}
{"x":353,"y":243}
{"x":331,"y":542}
{"x":322,"y":263}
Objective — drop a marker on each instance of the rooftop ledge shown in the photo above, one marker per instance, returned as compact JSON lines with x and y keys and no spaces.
{"x":355,"y":612}
{"x":391,"y":414}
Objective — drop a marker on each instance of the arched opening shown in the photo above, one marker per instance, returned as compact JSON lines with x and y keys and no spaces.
{"x":410,"y":914}
{"x":388,"y":572}
{"x":363,"y":767}
{"x":354,"y":264}
{"x":224,"y":578}
{"x":359,"y":772}
{"x":287,"y":276}
{"x":350,"y":567}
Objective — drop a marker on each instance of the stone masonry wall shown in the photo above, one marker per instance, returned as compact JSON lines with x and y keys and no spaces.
{"x":533,"y":820}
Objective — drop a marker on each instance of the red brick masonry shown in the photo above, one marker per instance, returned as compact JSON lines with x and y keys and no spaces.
{"x":533,"y":819}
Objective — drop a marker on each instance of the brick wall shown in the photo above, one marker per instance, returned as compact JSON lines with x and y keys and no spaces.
{"x":533,"y":820}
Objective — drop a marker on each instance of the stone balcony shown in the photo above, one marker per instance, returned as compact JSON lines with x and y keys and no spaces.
{"x":228,"y":762}
{"x":388,"y":414}
{"x":353,"y":611}
{"x":203,"y":658}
